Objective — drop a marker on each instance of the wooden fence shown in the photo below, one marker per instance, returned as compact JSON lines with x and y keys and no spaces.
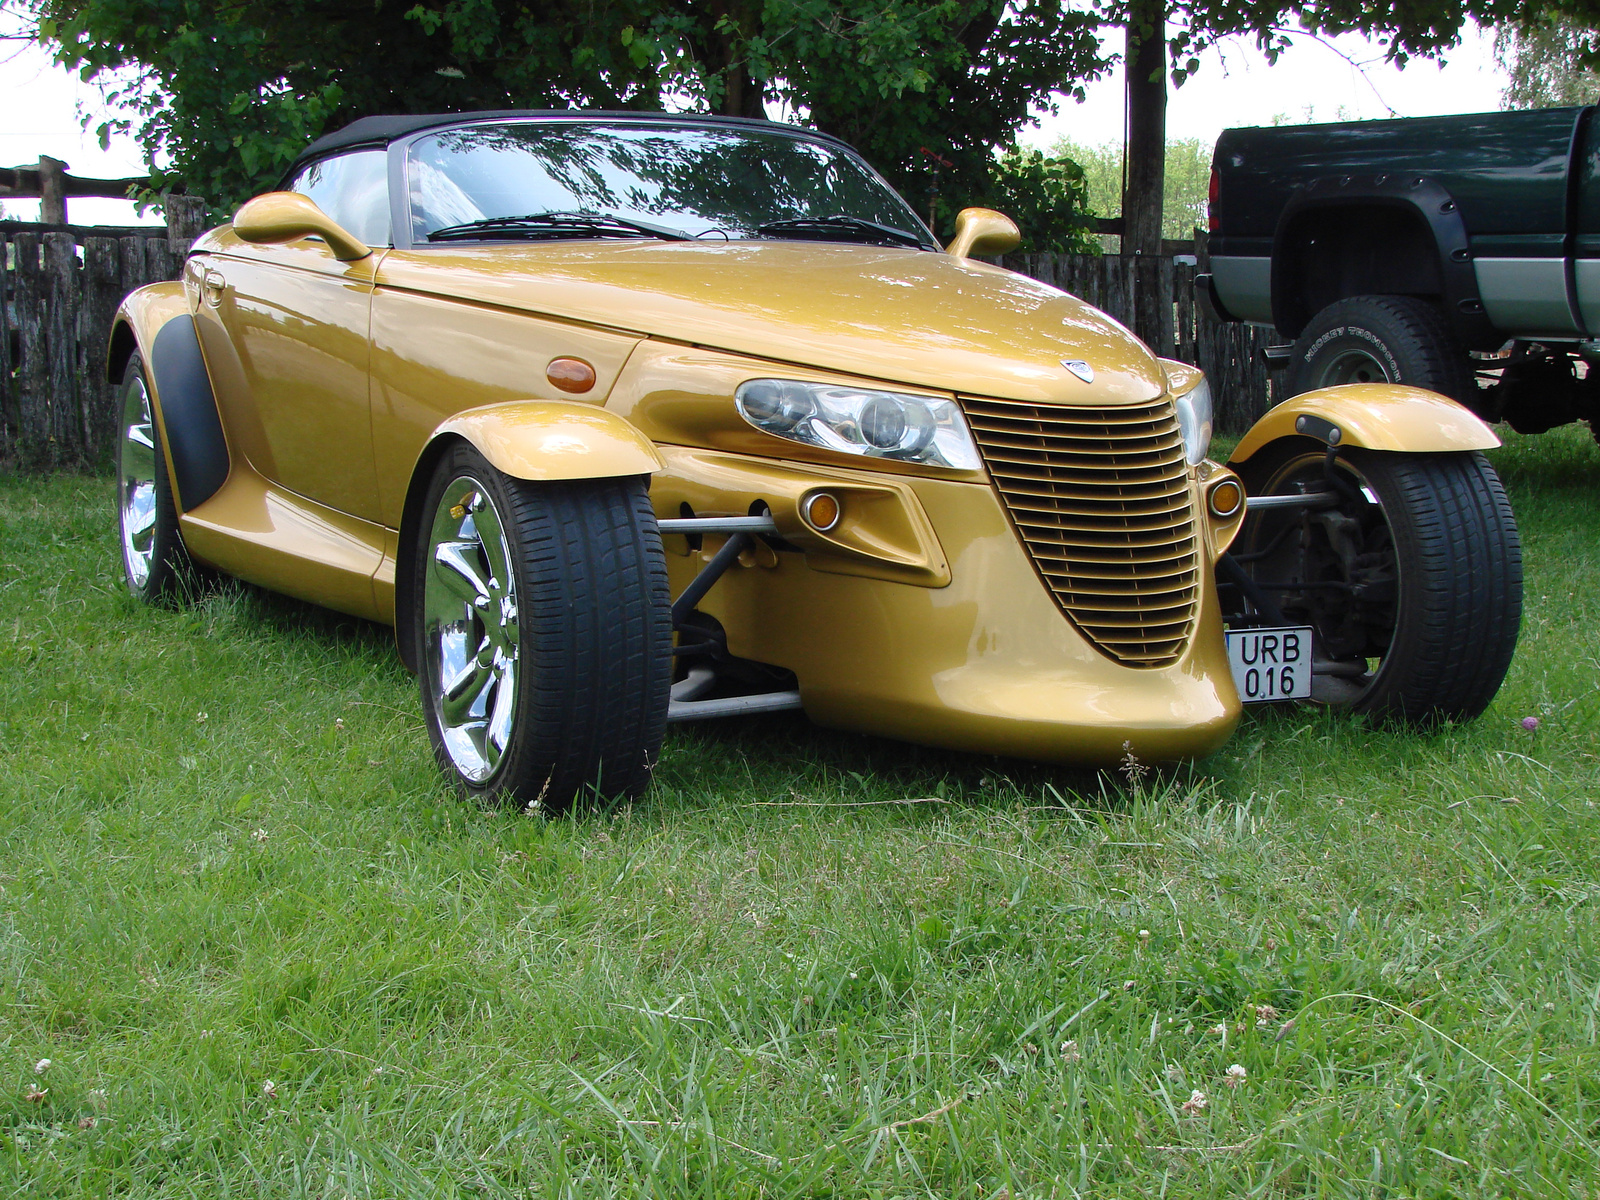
{"x":59,"y":290}
{"x":60,"y":287}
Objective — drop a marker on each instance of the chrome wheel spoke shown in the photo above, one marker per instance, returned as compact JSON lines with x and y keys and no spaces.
{"x":469,"y":613}
{"x":458,"y":573}
{"x":137,"y":508}
{"x":492,"y":537}
{"x":505,"y":698}
{"x":461,"y":693}
{"x":141,"y":514}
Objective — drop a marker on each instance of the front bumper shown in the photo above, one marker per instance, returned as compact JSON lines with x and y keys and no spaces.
{"x":985,"y":663}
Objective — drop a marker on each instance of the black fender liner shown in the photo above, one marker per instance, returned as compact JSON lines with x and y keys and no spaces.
{"x":1417,"y":194}
{"x":189,"y":416}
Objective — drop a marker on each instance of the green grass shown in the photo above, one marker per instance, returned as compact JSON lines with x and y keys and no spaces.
{"x":807,"y":964}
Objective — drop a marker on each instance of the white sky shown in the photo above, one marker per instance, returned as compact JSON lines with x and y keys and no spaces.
{"x":41,"y":105}
{"x":1314,"y":81}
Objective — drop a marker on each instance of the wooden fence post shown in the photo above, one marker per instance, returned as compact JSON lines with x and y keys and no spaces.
{"x":102,"y":292}
{"x":33,"y":424}
{"x":8,"y":400}
{"x":52,"y":191}
{"x":59,"y":280}
{"x":186,"y":220}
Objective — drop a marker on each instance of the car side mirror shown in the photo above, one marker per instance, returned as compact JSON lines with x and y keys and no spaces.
{"x":279,"y":217}
{"x":984,"y":231}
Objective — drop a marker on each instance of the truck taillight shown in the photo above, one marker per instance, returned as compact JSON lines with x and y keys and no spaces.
{"x":1211,"y":203}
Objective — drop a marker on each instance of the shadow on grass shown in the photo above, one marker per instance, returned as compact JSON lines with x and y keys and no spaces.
{"x":783,"y":748}
{"x":283,"y":620}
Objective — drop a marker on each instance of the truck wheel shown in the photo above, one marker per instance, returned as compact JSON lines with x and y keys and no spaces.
{"x":154,"y":562}
{"x":1412,"y":581}
{"x":1381,"y":339}
{"x":543,"y":634}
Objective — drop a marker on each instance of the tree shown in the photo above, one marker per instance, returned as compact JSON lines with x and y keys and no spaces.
{"x":1187,"y":171}
{"x":1543,"y":62}
{"x":226,"y":95}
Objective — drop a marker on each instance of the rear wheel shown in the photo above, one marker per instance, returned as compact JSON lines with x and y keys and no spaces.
{"x":544,"y":634}
{"x":154,"y":563}
{"x":1381,"y":339}
{"x":1412,"y":580}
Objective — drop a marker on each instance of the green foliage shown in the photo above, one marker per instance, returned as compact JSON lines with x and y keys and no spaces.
{"x":226,"y":95}
{"x":1047,"y":196}
{"x":269,"y":954}
{"x":1543,"y":62}
{"x":1188,"y":182}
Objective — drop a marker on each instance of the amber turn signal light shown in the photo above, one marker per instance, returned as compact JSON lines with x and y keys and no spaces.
{"x":821,"y":511}
{"x":570,"y":374}
{"x":1225,"y":498}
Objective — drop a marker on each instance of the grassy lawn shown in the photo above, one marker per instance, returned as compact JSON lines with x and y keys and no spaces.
{"x":268,"y":954}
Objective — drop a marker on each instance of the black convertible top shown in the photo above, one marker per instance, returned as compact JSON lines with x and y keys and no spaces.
{"x":380,"y":131}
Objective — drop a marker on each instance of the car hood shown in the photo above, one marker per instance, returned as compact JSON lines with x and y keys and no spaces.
{"x":905,"y":316}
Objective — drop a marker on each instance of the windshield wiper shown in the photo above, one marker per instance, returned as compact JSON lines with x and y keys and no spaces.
{"x":556,"y":225}
{"x":841,"y":228}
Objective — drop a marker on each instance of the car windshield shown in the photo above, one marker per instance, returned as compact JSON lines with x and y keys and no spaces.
{"x":477,"y":182}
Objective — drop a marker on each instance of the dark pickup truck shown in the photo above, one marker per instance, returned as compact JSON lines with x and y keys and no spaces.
{"x":1460,"y":254}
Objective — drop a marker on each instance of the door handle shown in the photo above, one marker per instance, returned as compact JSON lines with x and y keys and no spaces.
{"x":213,"y":283}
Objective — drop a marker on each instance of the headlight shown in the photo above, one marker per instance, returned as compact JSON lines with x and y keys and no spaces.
{"x":917,"y":429}
{"x":1194,"y":421}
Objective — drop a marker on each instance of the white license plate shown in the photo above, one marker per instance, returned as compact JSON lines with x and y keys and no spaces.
{"x":1271,"y":664}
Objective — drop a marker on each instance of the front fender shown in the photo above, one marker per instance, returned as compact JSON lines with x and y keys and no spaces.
{"x":537,"y":440}
{"x":155,"y":320}
{"x":1374,"y":416}
{"x":553,"y":439}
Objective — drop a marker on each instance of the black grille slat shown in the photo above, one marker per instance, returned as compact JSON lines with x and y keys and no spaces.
{"x":1100,"y":498}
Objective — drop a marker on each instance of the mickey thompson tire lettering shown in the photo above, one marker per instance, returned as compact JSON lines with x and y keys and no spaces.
{"x":1381,"y":339}
{"x":1322,"y":341}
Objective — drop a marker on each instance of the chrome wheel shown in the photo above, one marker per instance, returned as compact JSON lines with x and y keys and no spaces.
{"x":136,"y":484}
{"x":469,"y":628}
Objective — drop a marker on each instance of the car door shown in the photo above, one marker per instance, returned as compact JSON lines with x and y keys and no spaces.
{"x":286,"y":329}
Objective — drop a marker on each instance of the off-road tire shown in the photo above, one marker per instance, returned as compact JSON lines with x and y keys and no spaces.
{"x":1457,"y":568}
{"x":168,"y":574}
{"x":1381,"y":339}
{"x":593,"y":631}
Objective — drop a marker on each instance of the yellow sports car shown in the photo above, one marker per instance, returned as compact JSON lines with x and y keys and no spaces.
{"x":628,"y":418}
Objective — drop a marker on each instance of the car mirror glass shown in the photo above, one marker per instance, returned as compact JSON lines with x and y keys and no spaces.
{"x":279,"y":217}
{"x":983,"y":231}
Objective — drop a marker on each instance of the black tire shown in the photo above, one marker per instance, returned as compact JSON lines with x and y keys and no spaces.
{"x":587,"y":648}
{"x":155,"y":565}
{"x":1381,"y":339}
{"x":1419,"y":596}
